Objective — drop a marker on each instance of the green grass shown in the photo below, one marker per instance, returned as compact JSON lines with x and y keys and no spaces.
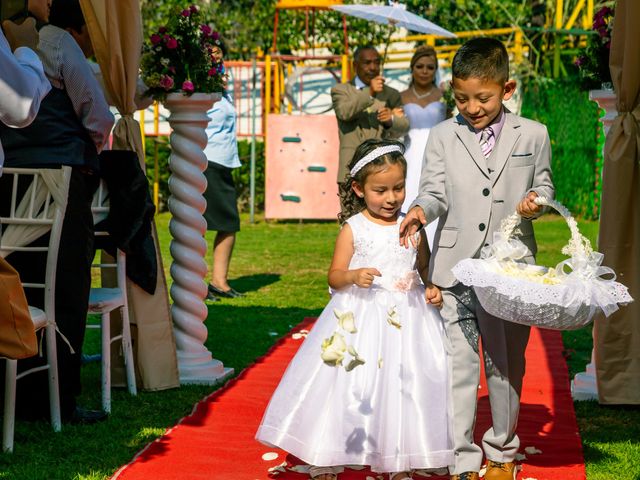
{"x":282,"y":266}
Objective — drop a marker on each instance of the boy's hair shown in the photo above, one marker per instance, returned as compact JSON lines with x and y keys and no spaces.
{"x":67,"y":14}
{"x":350,"y":203}
{"x":484,"y":58}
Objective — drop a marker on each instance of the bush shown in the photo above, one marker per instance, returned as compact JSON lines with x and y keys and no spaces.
{"x":240,"y":175}
{"x":574,"y":129}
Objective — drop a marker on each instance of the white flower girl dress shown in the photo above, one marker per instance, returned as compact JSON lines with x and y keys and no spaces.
{"x":392,"y":411}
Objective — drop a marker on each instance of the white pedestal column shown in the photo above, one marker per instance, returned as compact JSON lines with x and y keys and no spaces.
{"x":187,"y":183}
{"x":584,"y":385}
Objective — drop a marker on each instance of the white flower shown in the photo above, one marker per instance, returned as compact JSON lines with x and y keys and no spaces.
{"x":532,"y":450}
{"x":165,"y":61}
{"x":346,"y":321}
{"x":333,"y":349}
{"x":392,"y":317}
{"x":355,"y":361}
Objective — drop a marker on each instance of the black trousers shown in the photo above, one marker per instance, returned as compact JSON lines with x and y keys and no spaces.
{"x":73,"y":282}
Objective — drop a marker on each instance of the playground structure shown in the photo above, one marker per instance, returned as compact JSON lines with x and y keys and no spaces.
{"x":300,"y":177}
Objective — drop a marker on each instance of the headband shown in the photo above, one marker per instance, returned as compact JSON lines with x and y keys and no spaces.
{"x":372,"y":155}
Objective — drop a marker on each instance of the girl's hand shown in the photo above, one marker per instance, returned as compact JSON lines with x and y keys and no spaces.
{"x":433,"y":295}
{"x":363,"y":277}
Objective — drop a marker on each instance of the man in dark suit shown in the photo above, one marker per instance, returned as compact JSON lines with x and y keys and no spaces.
{"x":366,"y":107}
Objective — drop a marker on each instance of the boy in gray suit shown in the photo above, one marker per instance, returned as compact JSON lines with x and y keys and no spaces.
{"x":478,"y":168}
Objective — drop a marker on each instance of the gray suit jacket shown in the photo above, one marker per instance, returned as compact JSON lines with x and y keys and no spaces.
{"x":456,"y":186}
{"x":356,"y":112}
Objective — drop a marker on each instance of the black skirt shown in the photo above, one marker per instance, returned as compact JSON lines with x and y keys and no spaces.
{"x":221,"y":213}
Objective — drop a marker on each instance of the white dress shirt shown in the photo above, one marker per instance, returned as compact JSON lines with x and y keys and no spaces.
{"x":23,"y":85}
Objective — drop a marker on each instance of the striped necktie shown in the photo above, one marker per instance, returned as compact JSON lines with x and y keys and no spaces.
{"x":487,"y":140}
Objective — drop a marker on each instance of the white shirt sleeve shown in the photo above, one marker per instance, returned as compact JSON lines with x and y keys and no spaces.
{"x":85,"y":92}
{"x":23,"y":85}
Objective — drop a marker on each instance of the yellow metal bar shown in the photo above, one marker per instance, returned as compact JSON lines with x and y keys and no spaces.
{"x":345,"y":69}
{"x":431,"y":40}
{"x":587,"y":18}
{"x":276,"y":86}
{"x":289,"y":74}
{"x":142,"y":128}
{"x":282,"y":84}
{"x":517,"y":46}
{"x":574,"y":15}
{"x":559,"y":13}
{"x":156,"y":118}
{"x":156,"y":176}
{"x":267,"y":85}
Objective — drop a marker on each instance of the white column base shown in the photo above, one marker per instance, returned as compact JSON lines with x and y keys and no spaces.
{"x":201,"y":371}
{"x":584,"y":385}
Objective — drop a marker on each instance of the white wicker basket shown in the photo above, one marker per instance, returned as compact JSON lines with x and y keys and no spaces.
{"x":563,"y":298}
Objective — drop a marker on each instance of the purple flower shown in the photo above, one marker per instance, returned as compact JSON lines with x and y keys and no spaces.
{"x":172,"y":43}
{"x":212,"y":72}
{"x":187,"y":86}
{"x":193,"y":9}
{"x":155,"y":39}
{"x":172,"y":69}
{"x":215,"y":36}
{"x":166,"y":82}
{"x":206,"y":29}
{"x":162,"y":30}
{"x":186,"y":12}
{"x":579,"y":61}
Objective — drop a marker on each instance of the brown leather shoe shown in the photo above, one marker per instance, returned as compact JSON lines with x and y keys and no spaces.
{"x":500,"y":471}
{"x":466,"y":476}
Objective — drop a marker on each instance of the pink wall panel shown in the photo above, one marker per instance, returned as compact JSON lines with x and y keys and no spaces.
{"x":302,"y":167}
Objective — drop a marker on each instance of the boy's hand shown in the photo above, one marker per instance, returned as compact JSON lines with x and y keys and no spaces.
{"x":385,"y":116}
{"x":413,"y":221}
{"x":376,"y":85}
{"x":363,"y":277}
{"x":23,"y":35}
{"x":433,"y":295}
{"x":527,"y":208}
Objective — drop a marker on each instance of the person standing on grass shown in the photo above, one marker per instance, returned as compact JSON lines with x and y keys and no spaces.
{"x":384,"y":403}
{"x":222,"y":206}
{"x":478,"y":168}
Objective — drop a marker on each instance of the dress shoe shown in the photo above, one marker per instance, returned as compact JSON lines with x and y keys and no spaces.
{"x":466,"y":476}
{"x":210,"y":298}
{"x":231,"y":293}
{"x":84,"y":416}
{"x":500,"y":471}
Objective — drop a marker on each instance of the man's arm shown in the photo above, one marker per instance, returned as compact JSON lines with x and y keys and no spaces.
{"x":85,"y":93}
{"x":400,"y":125}
{"x":348,"y":101}
{"x":23,"y":85}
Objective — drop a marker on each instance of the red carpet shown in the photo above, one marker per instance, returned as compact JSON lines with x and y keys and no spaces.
{"x":217,"y":439}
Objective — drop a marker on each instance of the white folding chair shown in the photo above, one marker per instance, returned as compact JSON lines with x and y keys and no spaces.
{"x":41,"y":208}
{"x":104,"y":300}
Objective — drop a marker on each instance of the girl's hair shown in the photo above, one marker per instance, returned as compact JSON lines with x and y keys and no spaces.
{"x":423,"y":51}
{"x":350,"y":203}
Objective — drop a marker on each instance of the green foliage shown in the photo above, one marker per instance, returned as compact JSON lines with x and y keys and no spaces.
{"x":245,"y":33}
{"x":160,"y":146}
{"x":572,"y":121}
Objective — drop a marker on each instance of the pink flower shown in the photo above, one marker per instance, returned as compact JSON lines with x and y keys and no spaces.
{"x":215,"y":35}
{"x":172,"y":70}
{"x":212,"y":72}
{"x":188,"y":87}
{"x":193,"y":9}
{"x":206,"y":29}
{"x":166,"y":82}
{"x":162,"y":30}
{"x":172,"y":43}
{"x":186,"y":12}
{"x":155,"y":39}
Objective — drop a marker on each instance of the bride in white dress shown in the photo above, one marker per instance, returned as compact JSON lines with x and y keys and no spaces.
{"x":424,"y":109}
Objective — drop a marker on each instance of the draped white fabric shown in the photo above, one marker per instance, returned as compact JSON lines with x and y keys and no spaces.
{"x":37,"y":205}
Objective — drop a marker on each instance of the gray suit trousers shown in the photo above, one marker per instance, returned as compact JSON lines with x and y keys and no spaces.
{"x":503,"y":345}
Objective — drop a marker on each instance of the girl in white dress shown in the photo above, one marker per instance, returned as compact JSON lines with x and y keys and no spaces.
{"x":369,"y":384}
{"x":423,"y":107}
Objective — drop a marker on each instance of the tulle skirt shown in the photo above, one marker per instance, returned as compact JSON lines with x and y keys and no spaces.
{"x":390,"y":413}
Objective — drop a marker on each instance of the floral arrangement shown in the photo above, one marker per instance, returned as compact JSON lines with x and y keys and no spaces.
{"x":179,"y":57}
{"x":593,"y":61}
